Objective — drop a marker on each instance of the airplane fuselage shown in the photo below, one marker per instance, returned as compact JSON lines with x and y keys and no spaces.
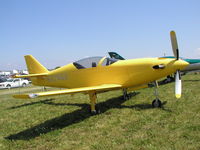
{"x":128,"y":73}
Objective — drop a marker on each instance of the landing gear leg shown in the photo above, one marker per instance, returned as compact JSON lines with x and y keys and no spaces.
{"x":156,"y":103}
{"x":125,"y":94}
{"x":170,"y":78}
{"x":93,"y":98}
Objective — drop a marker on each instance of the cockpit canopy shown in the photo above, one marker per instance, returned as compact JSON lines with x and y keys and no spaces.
{"x":93,"y":62}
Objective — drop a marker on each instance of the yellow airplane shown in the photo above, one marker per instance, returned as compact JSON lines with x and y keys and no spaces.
{"x":100,"y":74}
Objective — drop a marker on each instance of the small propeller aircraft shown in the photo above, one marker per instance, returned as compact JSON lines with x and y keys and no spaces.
{"x":94,"y":75}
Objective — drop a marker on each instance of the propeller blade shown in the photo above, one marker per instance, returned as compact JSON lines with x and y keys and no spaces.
{"x":174,"y":44}
{"x":178,"y":85}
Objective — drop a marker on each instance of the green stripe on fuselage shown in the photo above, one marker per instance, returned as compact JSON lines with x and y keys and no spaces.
{"x":190,"y":61}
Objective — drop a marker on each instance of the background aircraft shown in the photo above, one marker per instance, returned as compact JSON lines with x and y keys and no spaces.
{"x":94,"y":75}
{"x":194,"y":64}
{"x":115,"y":56}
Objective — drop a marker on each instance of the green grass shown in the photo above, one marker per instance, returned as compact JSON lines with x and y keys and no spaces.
{"x":64,"y":122}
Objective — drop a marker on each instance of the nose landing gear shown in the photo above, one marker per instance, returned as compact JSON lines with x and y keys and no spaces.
{"x":156,"y":103}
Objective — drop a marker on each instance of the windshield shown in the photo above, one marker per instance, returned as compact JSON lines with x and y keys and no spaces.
{"x":108,"y":61}
{"x":93,"y":62}
{"x":9,"y":80}
{"x":2,"y":80}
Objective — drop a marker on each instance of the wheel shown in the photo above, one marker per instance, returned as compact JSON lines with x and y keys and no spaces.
{"x":126,"y":96}
{"x":24,"y":84}
{"x":156,"y":103}
{"x":8,"y":86}
{"x":95,"y":112}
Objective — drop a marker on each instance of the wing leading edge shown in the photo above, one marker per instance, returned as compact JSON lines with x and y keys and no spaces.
{"x":104,"y":87}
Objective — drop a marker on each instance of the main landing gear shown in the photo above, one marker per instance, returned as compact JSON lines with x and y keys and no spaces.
{"x":126,"y":96}
{"x":156,"y":103}
{"x":93,"y":108}
{"x":93,"y":97}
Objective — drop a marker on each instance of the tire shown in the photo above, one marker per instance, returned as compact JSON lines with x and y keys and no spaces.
{"x":8,"y":86}
{"x":156,"y":103}
{"x":96,"y":111}
{"x":24,"y":84}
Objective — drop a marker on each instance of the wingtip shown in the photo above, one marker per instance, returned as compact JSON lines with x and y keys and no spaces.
{"x":25,"y":96}
{"x":21,"y":96}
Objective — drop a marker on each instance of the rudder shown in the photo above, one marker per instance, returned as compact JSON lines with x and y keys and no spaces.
{"x":34,"y":67}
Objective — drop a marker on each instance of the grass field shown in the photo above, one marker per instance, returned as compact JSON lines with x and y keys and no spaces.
{"x":64,"y":122}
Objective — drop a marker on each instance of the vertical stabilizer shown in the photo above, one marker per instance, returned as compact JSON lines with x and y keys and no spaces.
{"x":34,"y":67}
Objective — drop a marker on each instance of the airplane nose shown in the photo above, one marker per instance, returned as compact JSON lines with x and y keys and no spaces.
{"x":180,"y":64}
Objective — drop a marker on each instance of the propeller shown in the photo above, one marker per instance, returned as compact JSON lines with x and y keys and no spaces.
{"x":178,"y":84}
{"x":174,"y":44}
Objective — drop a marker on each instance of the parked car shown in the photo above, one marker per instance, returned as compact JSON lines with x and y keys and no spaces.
{"x":11,"y":83}
{"x":2,"y":80}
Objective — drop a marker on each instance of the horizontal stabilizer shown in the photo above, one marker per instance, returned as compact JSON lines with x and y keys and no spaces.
{"x":104,"y":87}
{"x":30,"y":75}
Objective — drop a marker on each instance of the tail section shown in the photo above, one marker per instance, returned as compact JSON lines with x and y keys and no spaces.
{"x":34,"y":67}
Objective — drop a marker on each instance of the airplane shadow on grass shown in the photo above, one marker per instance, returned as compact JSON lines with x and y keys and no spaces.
{"x":32,"y":103}
{"x":191,"y":80}
{"x":70,"y":118}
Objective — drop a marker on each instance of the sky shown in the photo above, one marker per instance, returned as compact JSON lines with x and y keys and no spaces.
{"x":58,"y":32}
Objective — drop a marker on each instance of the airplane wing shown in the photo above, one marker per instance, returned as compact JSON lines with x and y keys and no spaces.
{"x":30,"y":75}
{"x":99,"y":88}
